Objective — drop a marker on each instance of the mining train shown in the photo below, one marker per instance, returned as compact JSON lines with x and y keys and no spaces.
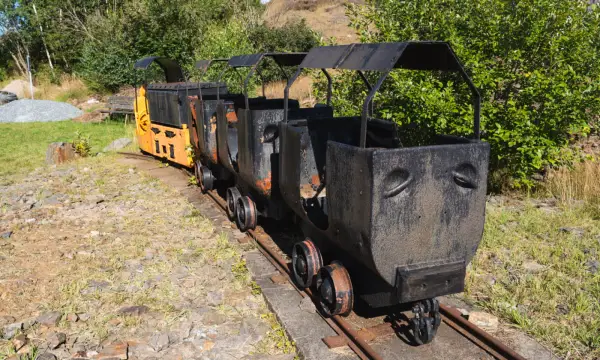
{"x":384,"y":223}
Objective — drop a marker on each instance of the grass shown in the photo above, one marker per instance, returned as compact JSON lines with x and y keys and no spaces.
{"x":302,"y":91}
{"x":24,"y":144}
{"x":70,"y":87}
{"x":276,"y":338}
{"x":537,"y":266}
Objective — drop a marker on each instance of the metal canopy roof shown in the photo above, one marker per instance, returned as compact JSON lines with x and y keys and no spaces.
{"x":414,"y":55}
{"x":282,"y":59}
{"x":173,"y":72}
{"x":205,"y":64}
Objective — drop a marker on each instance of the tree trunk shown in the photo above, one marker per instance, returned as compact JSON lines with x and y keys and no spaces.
{"x":18,"y":63}
{"x":43,"y":40}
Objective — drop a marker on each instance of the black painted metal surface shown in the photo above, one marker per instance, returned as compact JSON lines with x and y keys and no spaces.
{"x":168,"y":103}
{"x":173,"y":72}
{"x":405,"y":221}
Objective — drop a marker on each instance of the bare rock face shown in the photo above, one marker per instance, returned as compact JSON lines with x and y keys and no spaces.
{"x":60,"y":152}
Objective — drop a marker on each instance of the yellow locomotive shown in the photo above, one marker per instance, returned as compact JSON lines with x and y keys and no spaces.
{"x":164,"y":112}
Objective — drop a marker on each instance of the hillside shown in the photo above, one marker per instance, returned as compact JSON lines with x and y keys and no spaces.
{"x":325,"y":16}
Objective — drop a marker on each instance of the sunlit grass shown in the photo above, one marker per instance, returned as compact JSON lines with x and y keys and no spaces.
{"x":24,"y":144}
{"x":557,"y":302}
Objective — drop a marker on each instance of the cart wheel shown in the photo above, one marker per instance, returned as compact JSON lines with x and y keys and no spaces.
{"x":306,"y":262}
{"x":198,"y":172}
{"x":335,"y":290}
{"x":232,"y":196}
{"x":426,"y":321}
{"x":246,"y":213}
{"x":423,"y":330}
{"x":206,"y":179}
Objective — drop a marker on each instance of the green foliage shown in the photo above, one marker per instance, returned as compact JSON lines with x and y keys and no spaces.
{"x":537,"y":64}
{"x":82,"y":144}
{"x":248,"y":35}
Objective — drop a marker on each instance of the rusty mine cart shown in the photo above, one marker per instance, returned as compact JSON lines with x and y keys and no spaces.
{"x":398,"y":225}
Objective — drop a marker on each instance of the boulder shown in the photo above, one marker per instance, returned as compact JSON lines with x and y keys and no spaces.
{"x":6,"y":97}
{"x":18,"y":87}
{"x":60,"y":152}
{"x":117,"y":144}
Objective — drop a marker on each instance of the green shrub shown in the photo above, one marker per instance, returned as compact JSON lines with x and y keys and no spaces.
{"x":248,"y":35}
{"x":537,"y":64}
{"x":82,"y":144}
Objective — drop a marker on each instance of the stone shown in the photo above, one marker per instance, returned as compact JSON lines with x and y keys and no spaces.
{"x":114,"y":322}
{"x":214,"y":298}
{"x":6,"y":235}
{"x":485,"y":321}
{"x":72,"y":317}
{"x":84,"y":317}
{"x":60,"y":152}
{"x":214,"y":318}
{"x":55,"y":340}
{"x":533,"y":267}
{"x":593,"y":266}
{"x":113,"y":352}
{"x":19,"y":341}
{"x":464,"y":312}
{"x":94,"y":233}
{"x":186,"y":350}
{"x":141,"y":351}
{"x":72,"y":342}
{"x":307,"y":305}
{"x":573,"y":230}
{"x":29,"y":323}
{"x":49,"y":319}
{"x":133,"y":310}
{"x":562,"y":309}
{"x":159,"y":342}
{"x":117,"y":144}
{"x":46,"y":356}
{"x":11,"y":330}
{"x":25,"y":350}
{"x":5,"y":319}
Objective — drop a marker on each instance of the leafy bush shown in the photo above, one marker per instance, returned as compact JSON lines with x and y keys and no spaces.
{"x":82,"y":144}
{"x":537,"y":64}
{"x":248,"y":35}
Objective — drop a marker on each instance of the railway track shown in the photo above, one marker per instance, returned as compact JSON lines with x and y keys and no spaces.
{"x":347,"y":335}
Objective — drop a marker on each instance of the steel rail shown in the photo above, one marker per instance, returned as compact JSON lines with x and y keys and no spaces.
{"x":341,"y":326}
{"x":451,"y":316}
{"x":493,"y":346}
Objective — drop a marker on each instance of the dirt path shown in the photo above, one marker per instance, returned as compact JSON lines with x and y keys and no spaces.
{"x":101,"y":261}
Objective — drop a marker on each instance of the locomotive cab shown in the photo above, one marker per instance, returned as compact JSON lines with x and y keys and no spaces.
{"x":405,"y":221}
{"x":164,"y":122}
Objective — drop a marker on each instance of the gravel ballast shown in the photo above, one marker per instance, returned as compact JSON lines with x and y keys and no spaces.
{"x":37,"y":110}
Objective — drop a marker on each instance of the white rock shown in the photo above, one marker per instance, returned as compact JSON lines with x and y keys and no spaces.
{"x":533,"y":267}
{"x":485,"y":321}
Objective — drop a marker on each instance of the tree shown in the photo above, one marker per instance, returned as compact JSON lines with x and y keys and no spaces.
{"x":536,"y":62}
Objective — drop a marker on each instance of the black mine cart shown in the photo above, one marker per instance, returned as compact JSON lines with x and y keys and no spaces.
{"x":397,"y":224}
{"x":249,"y":147}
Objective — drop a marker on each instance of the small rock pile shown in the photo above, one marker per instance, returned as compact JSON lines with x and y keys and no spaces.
{"x":37,"y":110}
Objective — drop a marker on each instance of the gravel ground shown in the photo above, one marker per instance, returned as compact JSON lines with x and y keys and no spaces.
{"x":101,"y":261}
{"x":37,"y":110}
